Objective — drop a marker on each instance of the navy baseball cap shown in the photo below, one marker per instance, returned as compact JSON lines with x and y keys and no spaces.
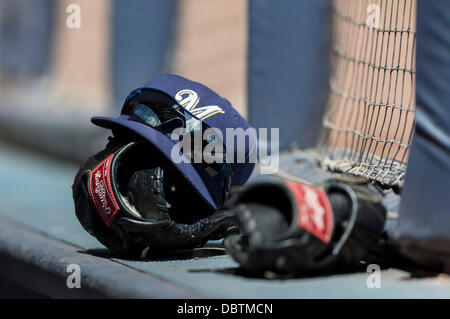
{"x":198,"y":104}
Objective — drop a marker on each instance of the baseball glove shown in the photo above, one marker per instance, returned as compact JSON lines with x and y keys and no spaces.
{"x":289,"y":227}
{"x":133,"y":200}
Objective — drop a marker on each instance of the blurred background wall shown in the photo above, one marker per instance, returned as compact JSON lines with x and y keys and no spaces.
{"x":211,"y":46}
{"x":288,"y":68}
{"x":120,"y":45}
{"x":63,"y":61}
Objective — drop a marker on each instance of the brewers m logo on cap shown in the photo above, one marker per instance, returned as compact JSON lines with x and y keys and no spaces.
{"x":189,"y":100}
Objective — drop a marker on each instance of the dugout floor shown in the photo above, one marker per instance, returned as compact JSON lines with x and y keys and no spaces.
{"x":40,"y":236}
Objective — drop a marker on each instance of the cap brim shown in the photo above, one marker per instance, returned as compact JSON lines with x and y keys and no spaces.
{"x":165,"y":145}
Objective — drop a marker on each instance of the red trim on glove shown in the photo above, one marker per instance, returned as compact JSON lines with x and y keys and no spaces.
{"x":101,"y":191}
{"x":314,"y":210}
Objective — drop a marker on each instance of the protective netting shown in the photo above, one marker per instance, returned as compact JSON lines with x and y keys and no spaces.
{"x":368,"y":124}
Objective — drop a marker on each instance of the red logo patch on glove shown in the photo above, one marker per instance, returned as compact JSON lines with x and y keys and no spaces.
{"x":101,"y":191}
{"x":314,"y":210}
